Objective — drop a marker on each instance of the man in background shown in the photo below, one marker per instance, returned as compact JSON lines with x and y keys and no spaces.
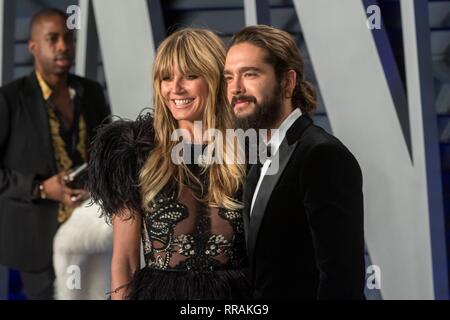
{"x":46,"y":122}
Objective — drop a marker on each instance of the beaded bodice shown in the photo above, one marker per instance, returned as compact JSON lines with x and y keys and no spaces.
{"x":182,"y":232}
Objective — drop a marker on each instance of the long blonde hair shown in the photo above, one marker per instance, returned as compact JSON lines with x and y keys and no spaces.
{"x":200,"y":52}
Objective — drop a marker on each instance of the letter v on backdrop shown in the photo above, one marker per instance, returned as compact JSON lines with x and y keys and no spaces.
{"x":404,"y":221}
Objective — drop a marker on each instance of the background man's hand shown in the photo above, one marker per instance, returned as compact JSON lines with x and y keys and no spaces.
{"x":55,"y":188}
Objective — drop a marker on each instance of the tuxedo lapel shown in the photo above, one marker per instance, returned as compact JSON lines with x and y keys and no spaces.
{"x":33,"y":103}
{"x":265,"y":190}
{"x":284,"y":153}
{"x":249,"y":189}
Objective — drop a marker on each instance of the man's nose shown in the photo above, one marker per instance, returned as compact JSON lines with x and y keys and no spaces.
{"x":61,"y":46}
{"x":236,"y":87}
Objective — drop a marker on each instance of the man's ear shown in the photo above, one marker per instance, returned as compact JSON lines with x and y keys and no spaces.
{"x":290,"y":80}
{"x":31,"y":46}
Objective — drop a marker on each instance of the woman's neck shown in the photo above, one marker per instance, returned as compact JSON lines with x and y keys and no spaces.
{"x":192,"y":132}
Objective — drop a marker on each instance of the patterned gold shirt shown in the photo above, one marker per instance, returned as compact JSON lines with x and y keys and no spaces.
{"x":64,"y":159}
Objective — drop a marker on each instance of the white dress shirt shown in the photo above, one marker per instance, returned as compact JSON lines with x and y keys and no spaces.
{"x":275,"y":142}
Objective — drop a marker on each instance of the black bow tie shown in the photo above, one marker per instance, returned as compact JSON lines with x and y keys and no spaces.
{"x":265,"y":151}
{"x":258,"y":166}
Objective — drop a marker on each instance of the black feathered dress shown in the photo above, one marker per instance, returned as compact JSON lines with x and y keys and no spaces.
{"x":192,"y":251}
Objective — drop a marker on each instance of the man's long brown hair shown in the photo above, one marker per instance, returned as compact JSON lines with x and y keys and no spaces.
{"x":282,"y":53}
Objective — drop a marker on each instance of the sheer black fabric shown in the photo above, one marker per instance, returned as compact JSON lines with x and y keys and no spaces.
{"x":191,"y":250}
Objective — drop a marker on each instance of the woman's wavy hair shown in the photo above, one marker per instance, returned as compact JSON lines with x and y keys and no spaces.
{"x":282,"y":53}
{"x":200,"y":52}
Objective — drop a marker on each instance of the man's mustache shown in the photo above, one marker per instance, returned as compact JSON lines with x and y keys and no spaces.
{"x":242,"y":98}
{"x":63,"y":56}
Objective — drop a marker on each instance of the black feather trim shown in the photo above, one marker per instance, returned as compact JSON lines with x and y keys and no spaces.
{"x":169,"y":284}
{"x":117,"y":154}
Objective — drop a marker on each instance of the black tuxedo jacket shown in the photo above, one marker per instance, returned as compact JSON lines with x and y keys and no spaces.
{"x":305,"y":235}
{"x":27,"y":227}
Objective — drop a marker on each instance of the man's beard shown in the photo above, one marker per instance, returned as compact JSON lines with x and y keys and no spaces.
{"x":265,"y":114}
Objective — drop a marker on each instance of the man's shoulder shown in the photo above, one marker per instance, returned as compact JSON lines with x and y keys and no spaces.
{"x":316,"y":136}
{"x":318,"y":141}
{"x":85,"y":82}
{"x":15,"y":86}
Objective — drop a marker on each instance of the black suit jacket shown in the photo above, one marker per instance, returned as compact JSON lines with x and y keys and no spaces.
{"x":305,"y":235}
{"x":27,"y":227}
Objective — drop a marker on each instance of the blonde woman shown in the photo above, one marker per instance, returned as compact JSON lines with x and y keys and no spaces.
{"x":187,"y":216}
